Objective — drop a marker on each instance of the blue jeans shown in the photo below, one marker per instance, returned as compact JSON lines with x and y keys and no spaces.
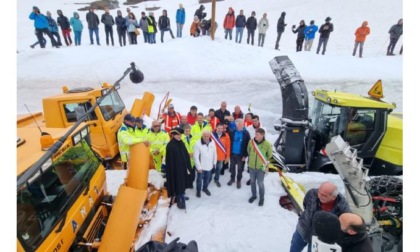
{"x":323,"y":42}
{"x":219,"y":166}
{"x":179,"y":30}
{"x":91,"y":31}
{"x":257,"y":175}
{"x":298,"y":243}
{"x":146,"y":37}
{"x":228,"y":32}
{"x":240,"y":32}
{"x":77,"y":37}
{"x":152,"y":38}
{"x":203,"y":179}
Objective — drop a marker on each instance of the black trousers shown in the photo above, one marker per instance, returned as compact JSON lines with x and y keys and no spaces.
{"x":39,"y":34}
{"x":250,"y":35}
{"x":109,"y":33}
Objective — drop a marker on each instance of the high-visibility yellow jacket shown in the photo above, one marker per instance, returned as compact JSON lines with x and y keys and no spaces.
{"x":126,"y":137}
{"x":158,"y":141}
{"x":189,"y":143}
{"x":197,"y":130}
{"x":142,"y":133}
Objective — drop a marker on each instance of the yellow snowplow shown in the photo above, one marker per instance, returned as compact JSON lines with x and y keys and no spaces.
{"x":62,"y":199}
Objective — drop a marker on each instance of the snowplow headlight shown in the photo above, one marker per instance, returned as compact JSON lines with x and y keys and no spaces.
{"x":335,"y":101}
{"x":328,"y":99}
{"x":313,"y":93}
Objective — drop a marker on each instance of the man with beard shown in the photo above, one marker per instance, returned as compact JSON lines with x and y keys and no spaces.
{"x":178,"y":166}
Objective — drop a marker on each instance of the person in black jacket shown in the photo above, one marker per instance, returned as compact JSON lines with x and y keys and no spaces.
{"x":164,"y":25}
{"x":280,"y":29}
{"x":240,"y":26}
{"x":108,"y":22}
{"x":394,"y":34}
{"x":121,"y":28}
{"x":64,"y":24}
{"x":300,"y":30}
{"x":325,"y":31}
{"x":325,"y":198}
{"x":251,"y":26}
{"x":199,"y":13}
{"x":178,"y":166}
{"x":93,"y":24}
{"x":354,"y":237}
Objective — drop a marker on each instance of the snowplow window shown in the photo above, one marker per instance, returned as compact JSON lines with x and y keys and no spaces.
{"x":43,"y":201}
{"x":76,"y":109}
{"x":111,"y":105}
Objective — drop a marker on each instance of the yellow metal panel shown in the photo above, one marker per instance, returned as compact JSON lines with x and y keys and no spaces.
{"x":143,"y":106}
{"x":138,"y":170}
{"x":121,"y":228}
{"x":391,"y":148}
{"x":349,"y":100}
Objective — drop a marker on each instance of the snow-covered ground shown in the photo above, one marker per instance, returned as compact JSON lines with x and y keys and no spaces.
{"x":202,"y":72}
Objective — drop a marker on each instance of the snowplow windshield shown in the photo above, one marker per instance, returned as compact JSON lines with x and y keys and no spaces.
{"x":355,"y":125}
{"x":48,"y":195}
{"x":111,"y":105}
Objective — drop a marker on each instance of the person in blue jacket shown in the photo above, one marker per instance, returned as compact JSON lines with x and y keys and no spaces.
{"x":310,"y":32}
{"x":53,"y":28}
{"x":77,"y":28}
{"x":41,"y":27}
{"x":180,"y":20}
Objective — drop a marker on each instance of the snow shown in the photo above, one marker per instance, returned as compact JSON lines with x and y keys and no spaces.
{"x":202,"y":72}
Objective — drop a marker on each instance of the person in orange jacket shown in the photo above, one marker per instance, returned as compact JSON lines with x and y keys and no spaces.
{"x":195,"y":27}
{"x":361,"y":34}
{"x":229,"y":23}
{"x":171,"y":119}
{"x":222,"y":141}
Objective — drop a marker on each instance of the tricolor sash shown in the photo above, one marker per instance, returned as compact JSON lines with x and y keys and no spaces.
{"x":259,"y":153}
{"x":219,"y":143}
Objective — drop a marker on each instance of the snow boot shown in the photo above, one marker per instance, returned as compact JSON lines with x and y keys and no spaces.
{"x":252,"y":199}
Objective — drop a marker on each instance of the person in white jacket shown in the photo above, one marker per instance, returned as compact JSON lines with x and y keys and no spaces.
{"x":205,"y":158}
{"x":262,"y":29}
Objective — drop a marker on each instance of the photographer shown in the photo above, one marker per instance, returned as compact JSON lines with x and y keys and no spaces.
{"x":300,"y":30}
{"x":41,"y":26}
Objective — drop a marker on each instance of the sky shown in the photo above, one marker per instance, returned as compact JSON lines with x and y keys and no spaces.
{"x":202,"y":72}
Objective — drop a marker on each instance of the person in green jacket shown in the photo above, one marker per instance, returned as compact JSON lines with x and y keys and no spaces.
{"x":259,"y":153}
{"x":141,"y":129}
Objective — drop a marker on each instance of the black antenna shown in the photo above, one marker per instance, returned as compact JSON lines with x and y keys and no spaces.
{"x":33,"y":117}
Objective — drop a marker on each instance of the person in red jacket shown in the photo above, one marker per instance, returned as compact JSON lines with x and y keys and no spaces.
{"x":171,"y":119}
{"x":361,"y":34}
{"x":229,"y":23}
{"x":192,"y":115}
{"x":214,"y":121}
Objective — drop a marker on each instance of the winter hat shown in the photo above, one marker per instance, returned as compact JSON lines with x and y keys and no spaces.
{"x":59,"y":12}
{"x":35,"y":8}
{"x":75,"y":15}
{"x":283,"y":14}
{"x":129,"y":117}
{"x":177,"y":131}
{"x":171,"y":106}
{"x":139,"y":120}
{"x":312,"y":22}
{"x":326,"y":226}
{"x":328,"y":19}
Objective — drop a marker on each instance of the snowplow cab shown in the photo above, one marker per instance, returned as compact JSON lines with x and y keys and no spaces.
{"x":63,"y":110}
{"x":367,"y":124}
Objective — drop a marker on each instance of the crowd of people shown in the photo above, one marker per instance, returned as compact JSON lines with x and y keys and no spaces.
{"x":129,"y":27}
{"x":213,"y":143}
{"x":193,"y":149}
